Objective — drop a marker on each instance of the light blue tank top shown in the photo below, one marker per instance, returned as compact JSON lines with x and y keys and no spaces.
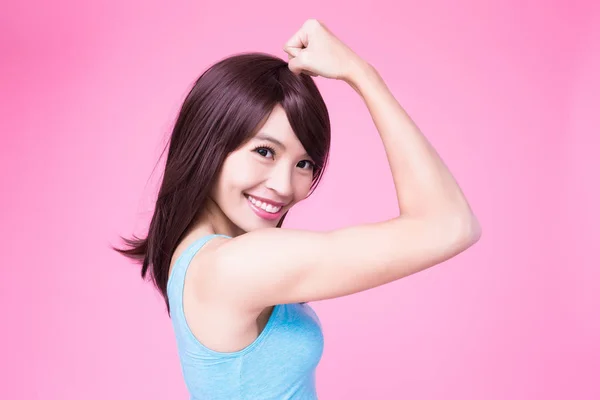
{"x":280,"y":364}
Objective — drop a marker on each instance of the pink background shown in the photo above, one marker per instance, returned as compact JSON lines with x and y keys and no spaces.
{"x":507,"y":91}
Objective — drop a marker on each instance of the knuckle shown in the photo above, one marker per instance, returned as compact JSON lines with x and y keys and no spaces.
{"x":312,"y":23}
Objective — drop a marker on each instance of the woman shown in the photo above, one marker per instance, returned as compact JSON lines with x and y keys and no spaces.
{"x":250,"y":142}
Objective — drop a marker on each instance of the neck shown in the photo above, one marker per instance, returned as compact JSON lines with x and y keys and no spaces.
{"x":212,"y":220}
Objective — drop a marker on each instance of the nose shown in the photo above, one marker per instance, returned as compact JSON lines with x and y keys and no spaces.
{"x":280,"y":181}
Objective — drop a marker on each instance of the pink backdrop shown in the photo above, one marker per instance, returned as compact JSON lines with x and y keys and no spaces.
{"x":507,"y":91}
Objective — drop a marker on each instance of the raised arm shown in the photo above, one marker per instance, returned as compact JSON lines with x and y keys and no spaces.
{"x":275,"y":266}
{"x":424,"y":185}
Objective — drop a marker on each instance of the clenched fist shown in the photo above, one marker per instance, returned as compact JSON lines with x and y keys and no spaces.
{"x":315,"y":51}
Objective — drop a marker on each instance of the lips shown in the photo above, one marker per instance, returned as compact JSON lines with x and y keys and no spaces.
{"x":268,"y":201}
{"x":262,"y":213}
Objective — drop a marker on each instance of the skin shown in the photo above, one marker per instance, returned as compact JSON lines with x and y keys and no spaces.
{"x":283,"y":175}
{"x":233,"y":284}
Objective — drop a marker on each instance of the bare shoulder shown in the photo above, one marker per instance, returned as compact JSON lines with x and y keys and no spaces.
{"x":218,"y":324}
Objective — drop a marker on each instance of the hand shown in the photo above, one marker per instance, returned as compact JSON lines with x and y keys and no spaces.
{"x":315,"y":51}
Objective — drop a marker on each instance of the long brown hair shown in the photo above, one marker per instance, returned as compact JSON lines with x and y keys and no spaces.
{"x":227,"y":104}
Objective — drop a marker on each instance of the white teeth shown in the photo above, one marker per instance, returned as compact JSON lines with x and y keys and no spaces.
{"x":267,"y":207}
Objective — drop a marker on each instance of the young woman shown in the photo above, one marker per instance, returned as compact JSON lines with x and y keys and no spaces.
{"x":251,"y":141}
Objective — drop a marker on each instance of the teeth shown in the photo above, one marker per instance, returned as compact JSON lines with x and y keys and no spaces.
{"x":265,"y":206}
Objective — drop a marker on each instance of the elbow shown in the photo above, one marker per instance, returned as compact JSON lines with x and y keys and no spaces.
{"x":469,"y":231}
{"x":462,"y":229}
{"x":458,"y":230}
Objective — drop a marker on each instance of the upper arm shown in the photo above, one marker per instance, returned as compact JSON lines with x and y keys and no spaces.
{"x":278,"y":266}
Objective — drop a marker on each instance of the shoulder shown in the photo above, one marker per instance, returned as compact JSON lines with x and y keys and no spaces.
{"x":216,"y":323}
{"x":202,"y":266}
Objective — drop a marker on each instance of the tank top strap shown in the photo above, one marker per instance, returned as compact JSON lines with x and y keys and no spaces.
{"x":179,"y":270}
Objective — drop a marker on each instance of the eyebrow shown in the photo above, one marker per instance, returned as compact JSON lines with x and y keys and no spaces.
{"x":271,"y":139}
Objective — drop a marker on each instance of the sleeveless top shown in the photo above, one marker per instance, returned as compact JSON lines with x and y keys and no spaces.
{"x":280,"y":363}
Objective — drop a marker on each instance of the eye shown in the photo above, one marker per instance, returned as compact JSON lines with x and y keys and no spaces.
{"x":308,"y":164}
{"x":264,"y":150}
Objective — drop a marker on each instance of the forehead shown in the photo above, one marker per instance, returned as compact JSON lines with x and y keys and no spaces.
{"x":277,"y":124}
{"x":277,"y":130}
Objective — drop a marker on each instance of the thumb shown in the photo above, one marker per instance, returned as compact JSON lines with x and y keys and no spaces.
{"x":297,"y":64}
{"x":292,"y":51}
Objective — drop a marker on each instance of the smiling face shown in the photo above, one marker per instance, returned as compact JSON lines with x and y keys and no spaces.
{"x":261,"y":180}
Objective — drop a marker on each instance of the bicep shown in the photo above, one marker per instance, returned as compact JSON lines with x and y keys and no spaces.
{"x":277,"y":266}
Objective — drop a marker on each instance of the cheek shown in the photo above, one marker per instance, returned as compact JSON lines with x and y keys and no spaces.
{"x":245,"y":178}
{"x":238,"y":173}
{"x":303,"y":186}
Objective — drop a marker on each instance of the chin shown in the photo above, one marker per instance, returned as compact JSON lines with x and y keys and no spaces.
{"x":247,"y":225}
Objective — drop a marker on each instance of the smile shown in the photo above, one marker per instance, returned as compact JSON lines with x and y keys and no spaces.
{"x":264,"y":209}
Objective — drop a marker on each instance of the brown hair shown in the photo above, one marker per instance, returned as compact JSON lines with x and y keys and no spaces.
{"x":227,"y":104}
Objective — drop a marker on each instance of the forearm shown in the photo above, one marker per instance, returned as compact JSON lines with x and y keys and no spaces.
{"x":424,"y":185}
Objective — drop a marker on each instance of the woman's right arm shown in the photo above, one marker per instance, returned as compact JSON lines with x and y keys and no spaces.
{"x":277,"y":266}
